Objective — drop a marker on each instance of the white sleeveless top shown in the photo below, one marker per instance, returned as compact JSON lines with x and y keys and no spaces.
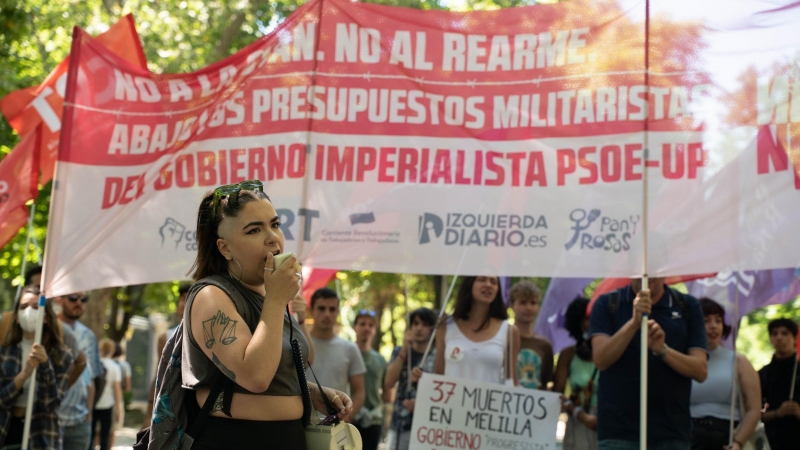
{"x":478,"y":361}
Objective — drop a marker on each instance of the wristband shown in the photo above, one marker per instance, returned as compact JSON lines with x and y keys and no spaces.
{"x":663,"y":352}
{"x":576,"y":411}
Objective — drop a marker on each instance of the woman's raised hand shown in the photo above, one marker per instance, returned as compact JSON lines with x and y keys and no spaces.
{"x":36,"y":357}
{"x":281,"y":284}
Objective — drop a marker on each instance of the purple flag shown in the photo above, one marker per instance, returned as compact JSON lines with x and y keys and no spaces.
{"x":505,"y":286}
{"x":756,"y":289}
{"x":550,"y":322}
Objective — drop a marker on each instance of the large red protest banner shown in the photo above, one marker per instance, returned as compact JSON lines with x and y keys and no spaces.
{"x":510,"y":142}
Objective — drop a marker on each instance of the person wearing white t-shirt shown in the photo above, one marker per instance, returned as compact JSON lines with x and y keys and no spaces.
{"x":109,"y":405}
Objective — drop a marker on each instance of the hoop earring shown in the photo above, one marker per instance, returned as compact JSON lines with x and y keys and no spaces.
{"x":241,"y":272}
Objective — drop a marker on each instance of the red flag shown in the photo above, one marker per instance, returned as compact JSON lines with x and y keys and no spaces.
{"x":27,"y":108}
{"x":18,"y":174}
{"x":314,"y":279}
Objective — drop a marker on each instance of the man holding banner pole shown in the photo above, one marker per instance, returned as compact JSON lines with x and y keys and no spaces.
{"x":676,"y":340}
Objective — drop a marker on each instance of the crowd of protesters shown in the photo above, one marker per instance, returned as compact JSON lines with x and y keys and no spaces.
{"x":240,"y":385}
{"x":79,"y":384}
{"x":698,"y":388}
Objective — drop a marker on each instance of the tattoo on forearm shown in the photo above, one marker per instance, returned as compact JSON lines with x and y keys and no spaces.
{"x":218,"y":403}
{"x":219,"y":326}
{"x":222,"y":367}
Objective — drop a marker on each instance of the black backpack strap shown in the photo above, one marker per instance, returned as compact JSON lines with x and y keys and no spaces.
{"x":200,"y":420}
{"x":683,"y":304}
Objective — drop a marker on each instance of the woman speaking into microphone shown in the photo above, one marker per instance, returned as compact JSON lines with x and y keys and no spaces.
{"x":237,"y":324}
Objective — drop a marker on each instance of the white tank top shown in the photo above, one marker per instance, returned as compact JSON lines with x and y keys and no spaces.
{"x":477,"y":361}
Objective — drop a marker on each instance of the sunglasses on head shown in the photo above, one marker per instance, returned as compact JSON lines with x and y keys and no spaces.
{"x":365,"y":312}
{"x":232,"y":192}
{"x":76,"y":297}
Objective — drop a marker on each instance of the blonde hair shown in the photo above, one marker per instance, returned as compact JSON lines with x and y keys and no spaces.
{"x":524,"y":289}
{"x":107,"y":347}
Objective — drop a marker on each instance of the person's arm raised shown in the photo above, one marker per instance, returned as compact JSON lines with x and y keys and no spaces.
{"x":606,"y":350}
{"x":249,"y":359}
{"x":395,"y":367}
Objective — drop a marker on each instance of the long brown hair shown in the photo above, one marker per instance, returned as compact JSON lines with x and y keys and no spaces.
{"x":209,"y":260}
{"x":51,"y":330}
{"x":464,"y":301}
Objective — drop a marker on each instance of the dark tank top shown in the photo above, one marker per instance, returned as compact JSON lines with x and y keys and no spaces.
{"x":197,"y":369}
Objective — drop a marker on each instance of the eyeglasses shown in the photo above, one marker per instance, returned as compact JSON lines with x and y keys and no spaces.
{"x":76,"y":297}
{"x":232,"y":192}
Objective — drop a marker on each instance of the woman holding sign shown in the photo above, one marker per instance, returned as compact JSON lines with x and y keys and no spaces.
{"x":477,"y":342}
{"x":19,"y":356}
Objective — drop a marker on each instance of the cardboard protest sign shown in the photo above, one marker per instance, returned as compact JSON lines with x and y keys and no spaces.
{"x":465,"y":414}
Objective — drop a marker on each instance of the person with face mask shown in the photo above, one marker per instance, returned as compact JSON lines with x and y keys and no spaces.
{"x":19,"y":356}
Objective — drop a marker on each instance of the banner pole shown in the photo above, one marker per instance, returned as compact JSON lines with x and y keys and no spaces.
{"x":438,"y":321}
{"x":645,"y":186}
{"x":735,"y":393}
{"x":408,"y":328}
{"x":27,"y":249}
{"x":26,"y":429}
{"x":309,"y":151}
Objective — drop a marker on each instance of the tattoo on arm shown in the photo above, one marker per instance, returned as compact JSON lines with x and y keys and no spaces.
{"x":218,"y":403}
{"x":219,"y":326}
{"x":222,"y":367}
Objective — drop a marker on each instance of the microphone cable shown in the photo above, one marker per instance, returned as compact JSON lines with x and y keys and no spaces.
{"x":297,"y":356}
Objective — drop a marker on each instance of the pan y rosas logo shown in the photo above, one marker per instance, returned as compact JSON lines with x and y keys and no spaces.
{"x":595,"y":231}
{"x":483,"y":230}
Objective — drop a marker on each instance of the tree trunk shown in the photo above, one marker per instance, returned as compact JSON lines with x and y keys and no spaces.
{"x":222,"y":49}
{"x":129,"y":301}
{"x":94,"y":316}
{"x":438,"y":280}
{"x":381,"y":300}
{"x":391,"y":327}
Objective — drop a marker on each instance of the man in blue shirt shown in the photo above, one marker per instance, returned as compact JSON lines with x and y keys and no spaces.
{"x":78,"y":403}
{"x":676,"y":339}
